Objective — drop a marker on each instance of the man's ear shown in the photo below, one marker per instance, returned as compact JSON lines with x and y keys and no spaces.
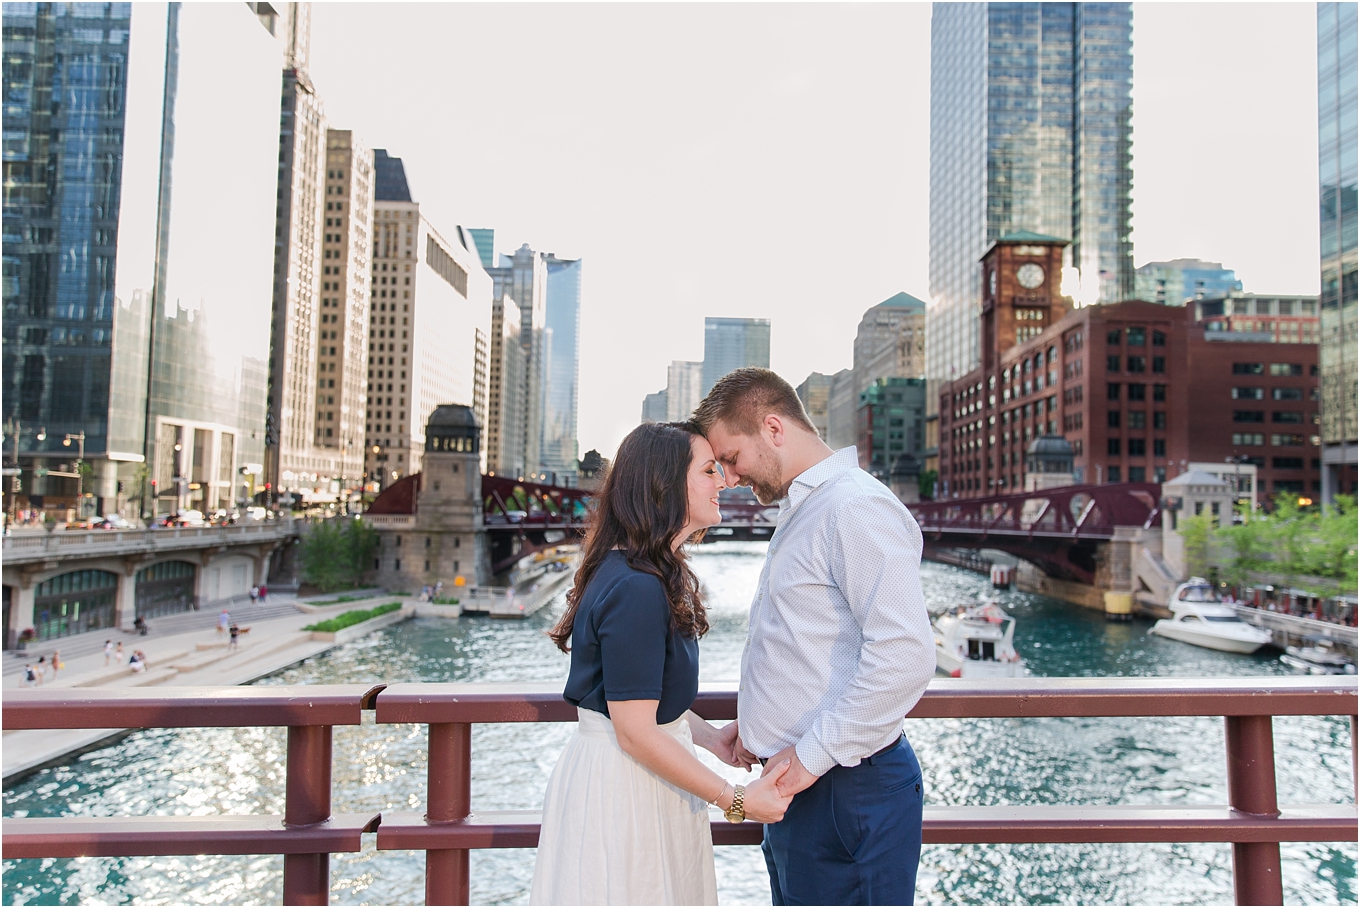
{"x":773,"y":429}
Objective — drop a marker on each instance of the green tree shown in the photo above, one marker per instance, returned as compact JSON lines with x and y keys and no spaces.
{"x":926,"y":482}
{"x":334,"y":554}
{"x":1246,"y":545}
{"x":1197,"y":531}
{"x":1292,"y":535}
{"x":1332,"y":554}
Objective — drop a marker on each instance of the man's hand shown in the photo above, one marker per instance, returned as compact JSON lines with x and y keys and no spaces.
{"x":797,"y":778}
{"x":730,"y":750}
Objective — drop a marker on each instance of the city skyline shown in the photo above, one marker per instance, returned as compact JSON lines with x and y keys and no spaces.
{"x":741,"y":151}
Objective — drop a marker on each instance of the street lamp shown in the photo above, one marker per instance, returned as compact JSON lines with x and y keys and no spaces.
{"x":79,"y":438}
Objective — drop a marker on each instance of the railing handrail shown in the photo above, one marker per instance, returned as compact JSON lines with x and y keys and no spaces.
{"x":307,"y":833}
{"x":66,"y":543}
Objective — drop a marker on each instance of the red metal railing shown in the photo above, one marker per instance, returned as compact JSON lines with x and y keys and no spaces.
{"x":308,"y":832}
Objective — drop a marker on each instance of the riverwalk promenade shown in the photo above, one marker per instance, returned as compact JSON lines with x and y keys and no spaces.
{"x":181,"y":651}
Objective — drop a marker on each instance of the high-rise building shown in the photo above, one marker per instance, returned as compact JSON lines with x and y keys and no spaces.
{"x":346,"y":285}
{"x":138,"y":289}
{"x":841,"y":406}
{"x":1337,"y":101}
{"x":891,"y":422}
{"x":734,"y":343}
{"x":505,"y":392}
{"x":562,"y":317}
{"x":429,"y":321}
{"x":1030,"y":131}
{"x":683,"y":383}
{"x":655,"y":407}
{"x":524,"y":278}
{"x":815,"y":393}
{"x":485,"y":238}
{"x":891,"y":341}
{"x":1183,"y":280}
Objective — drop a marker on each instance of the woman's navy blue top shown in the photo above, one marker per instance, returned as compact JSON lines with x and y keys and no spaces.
{"x":623,"y":646}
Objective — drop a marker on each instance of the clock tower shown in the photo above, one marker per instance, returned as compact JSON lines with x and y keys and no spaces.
{"x":1021,"y":292}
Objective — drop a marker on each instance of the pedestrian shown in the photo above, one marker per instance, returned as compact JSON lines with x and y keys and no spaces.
{"x":234,"y":631}
{"x":140,"y":624}
{"x":118,"y":653}
{"x":136,"y":662}
{"x":29,"y":678}
{"x":264,"y":593}
{"x":108,"y":652}
{"x":223,"y":621}
{"x":41,"y":669}
{"x":841,"y":589}
{"x":438,"y":588}
{"x":57,"y":664}
{"x":254,"y":595}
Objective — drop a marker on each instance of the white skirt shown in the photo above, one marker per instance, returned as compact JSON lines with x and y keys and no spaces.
{"x":615,"y":833}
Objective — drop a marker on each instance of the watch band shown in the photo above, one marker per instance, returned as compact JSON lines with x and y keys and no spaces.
{"x":737,"y":812}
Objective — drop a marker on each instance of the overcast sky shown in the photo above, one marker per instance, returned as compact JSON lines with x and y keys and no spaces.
{"x":772,"y":160}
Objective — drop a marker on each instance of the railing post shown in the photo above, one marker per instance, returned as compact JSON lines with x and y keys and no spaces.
{"x":1251,"y":789}
{"x":450,"y":800}
{"x":307,"y":877}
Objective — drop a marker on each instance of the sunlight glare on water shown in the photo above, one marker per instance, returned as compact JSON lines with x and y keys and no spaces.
{"x":982,"y":762}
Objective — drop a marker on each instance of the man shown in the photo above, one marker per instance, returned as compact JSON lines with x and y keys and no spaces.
{"x":839,"y":650}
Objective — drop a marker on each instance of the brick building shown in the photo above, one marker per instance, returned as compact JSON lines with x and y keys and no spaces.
{"x":1140,"y":390}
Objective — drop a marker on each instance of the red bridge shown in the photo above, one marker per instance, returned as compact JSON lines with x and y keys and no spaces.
{"x":1059,"y":529}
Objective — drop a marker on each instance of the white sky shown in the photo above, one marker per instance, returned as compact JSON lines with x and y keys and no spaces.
{"x":772,"y":160}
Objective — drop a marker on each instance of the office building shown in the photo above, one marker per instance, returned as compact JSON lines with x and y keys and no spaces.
{"x":891,"y":422}
{"x":891,"y":341}
{"x":683,"y":383}
{"x":1337,"y":172}
{"x":524,"y":278}
{"x":505,"y":392}
{"x":1030,"y":113}
{"x":138,"y":290}
{"x":842,"y":406}
{"x":815,"y":393}
{"x":655,"y":408}
{"x":429,"y":321}
{"x":562,"y":318}
{"x":733,"y":343}
{"x":319,"y":340}
{"x":1181,"y":281}
{"x":1255,"y":316}
{"x":1112,"y":381}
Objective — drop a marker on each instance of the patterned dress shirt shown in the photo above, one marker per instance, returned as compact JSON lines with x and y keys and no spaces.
{"x":839,"y":647}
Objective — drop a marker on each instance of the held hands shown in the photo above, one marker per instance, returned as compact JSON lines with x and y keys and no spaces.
{"x":725,"y":744}
{"x":764,"y":802}
{"x":794,"y":779}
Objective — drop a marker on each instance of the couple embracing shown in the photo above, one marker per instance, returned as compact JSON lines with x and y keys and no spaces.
{"x":838,"y":651}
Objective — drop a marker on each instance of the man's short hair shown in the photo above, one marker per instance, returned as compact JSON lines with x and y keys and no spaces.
{"x":744,"y":397}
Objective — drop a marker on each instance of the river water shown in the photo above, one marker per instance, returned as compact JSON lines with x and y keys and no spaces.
{"x":985,"y":762}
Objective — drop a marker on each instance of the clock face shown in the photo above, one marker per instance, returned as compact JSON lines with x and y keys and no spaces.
{"x":1029,"y":275}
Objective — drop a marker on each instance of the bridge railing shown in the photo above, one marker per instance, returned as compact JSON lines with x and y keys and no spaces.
{"x":448,"y":829}
{"x":21,"y":547}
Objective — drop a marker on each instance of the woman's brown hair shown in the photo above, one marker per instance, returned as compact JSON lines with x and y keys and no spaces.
{"x":641,"y":506}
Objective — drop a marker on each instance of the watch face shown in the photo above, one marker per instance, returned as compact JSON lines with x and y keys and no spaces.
{"x":1029,"y":275}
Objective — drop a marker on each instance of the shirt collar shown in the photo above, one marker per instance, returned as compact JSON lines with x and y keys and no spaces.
{"x":808,"y":480}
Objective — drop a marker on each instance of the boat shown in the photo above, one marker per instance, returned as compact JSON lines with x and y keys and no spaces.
{"x":1199,"y":618}
{"x":1318,"y":658}
{"x":977,"y":642}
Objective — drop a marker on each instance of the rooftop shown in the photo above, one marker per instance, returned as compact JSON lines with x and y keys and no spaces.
{"x":903,"y":301}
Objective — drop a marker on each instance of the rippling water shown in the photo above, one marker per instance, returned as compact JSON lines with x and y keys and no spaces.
{"x":988,"y":762}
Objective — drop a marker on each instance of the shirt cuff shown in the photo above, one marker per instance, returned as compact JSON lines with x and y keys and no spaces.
{"x":814,"y":756}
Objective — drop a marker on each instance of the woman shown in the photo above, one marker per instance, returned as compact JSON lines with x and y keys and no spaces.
{"x":625,"y":816}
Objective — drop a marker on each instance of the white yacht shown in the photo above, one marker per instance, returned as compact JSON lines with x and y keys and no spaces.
{"x":1318,"y":658}
{"x":977,"y":642}
{"x":1199,"y":618}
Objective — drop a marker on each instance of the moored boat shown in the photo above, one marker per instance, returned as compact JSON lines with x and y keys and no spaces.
{"x":1200,"y":619}
{"x":1318,"y":658}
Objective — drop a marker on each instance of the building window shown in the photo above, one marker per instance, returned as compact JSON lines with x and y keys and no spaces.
{"x":1247,"y":369}
{"x":1137,"y":392}
{"x":1287,"y":463}
{"x":1159,"y":447}
{"x":1159,"y":419}
{"x":1287,"y":416}
{"x":1113,"y":474}
{"x":1137,"y":364}
{"x":1287,"y":393}
{"x":1286,"y":440}
{"x":1113,"y":337}
{"x":1137,"y":419}
{"x":1249,"y":416}
{"x":1112,"y":419}
{"x":1137,"y":448}
{"x":1137,"y":474}
{"x":1286,"y":369}
{"x":1137,"y":337}
{"x":1112,"y":364}
{"x":1159,"y":365}
{"x":1112,"y":447}
{"x":1159,"y":339}
{"x":1248,"y":438}
{"x":1248,"y":393}
{"x":1112,"y":391}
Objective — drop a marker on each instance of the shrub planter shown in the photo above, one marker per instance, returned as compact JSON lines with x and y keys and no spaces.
{"x":366,"y":626}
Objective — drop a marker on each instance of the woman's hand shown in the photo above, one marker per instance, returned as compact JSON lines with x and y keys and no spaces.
{"x":724,"y":743}
{"x":763,"y":802}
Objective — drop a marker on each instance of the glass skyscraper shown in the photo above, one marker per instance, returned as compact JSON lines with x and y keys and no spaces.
{"x":138,"y":232}
{"x":1030,"y":107}
{"x":733,"y":343}
{"x":563,"y":321}
{"x":1337,"y":102}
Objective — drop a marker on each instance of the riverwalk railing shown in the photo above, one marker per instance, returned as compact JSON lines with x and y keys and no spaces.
{"x":309,"y":832}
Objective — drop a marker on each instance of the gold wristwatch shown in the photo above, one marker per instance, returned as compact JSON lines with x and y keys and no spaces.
{"x":737,"y":812}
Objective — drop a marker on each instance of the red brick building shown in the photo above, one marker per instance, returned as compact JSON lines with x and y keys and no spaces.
{"x":1139,"y":389}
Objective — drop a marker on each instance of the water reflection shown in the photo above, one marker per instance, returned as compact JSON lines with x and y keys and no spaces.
{"x":1178,"y":761}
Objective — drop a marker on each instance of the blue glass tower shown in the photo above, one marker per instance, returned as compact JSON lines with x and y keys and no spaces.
{"x":1030,"y":113}
{"x":563,"y":322}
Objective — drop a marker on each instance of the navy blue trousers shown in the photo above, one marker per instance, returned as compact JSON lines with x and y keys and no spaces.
{"x":853,"y":838}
